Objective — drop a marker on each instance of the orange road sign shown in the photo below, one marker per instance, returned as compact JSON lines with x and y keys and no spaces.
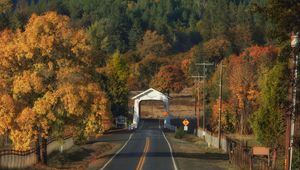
{"x":165,"y":113}
{"x":185,"y":122}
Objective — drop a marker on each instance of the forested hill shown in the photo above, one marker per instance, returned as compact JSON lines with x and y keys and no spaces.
{"x":123,"y":23}
{"x":163,"y":28}
{"x":149,"y":34}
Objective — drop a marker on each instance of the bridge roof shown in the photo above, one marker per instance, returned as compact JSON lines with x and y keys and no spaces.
{"x":150,"y":90}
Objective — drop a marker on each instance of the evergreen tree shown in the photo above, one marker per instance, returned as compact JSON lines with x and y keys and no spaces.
{"x":268,"y":121}
{"x":135,"y":35}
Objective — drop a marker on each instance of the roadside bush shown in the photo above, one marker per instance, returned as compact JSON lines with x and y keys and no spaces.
{"x":179,"y":133}
{"x":296,"y":156}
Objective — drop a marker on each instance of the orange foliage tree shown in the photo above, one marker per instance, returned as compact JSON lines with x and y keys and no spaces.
{"x":228,"y":119}
{"x":169,"y":79}
{"x":216,"y":49}
{"x":46,"y":82}
{"x":243,"y":80}
{"x":153,"y":43}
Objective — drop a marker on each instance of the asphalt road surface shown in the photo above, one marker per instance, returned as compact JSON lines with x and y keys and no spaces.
{"x":146,"y":149}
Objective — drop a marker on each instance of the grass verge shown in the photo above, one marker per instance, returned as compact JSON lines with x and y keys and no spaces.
{"x":192,"y":152}
{"x":78,"y":157}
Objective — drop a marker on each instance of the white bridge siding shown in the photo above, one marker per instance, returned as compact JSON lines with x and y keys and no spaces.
{"x":150,"y":94}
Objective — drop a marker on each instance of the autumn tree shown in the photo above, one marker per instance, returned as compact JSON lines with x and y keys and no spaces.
{"x":216,"y":49}
{"x":47,"y":79}
{"x":244,"y":73}
{"x":169,"y":79}
{"x":185,"y":65}
{"x":228,"y":118}
{"x":147,"y":68}
{"x":153,"y":43}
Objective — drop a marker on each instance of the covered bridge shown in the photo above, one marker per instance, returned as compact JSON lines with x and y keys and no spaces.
{"x":150,"y":94}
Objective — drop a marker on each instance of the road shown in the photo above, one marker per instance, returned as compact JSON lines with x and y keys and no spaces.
{"x":146,"y":149}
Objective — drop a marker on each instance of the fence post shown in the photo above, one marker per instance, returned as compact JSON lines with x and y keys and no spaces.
{"x":251,"y":163}
{"x":44,"y":151}
{"x":38,"y":149}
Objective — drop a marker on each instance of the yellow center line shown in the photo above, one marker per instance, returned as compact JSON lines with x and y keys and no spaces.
{"x":143,"y":157}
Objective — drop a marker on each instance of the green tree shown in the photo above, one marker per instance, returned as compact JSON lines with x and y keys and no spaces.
{"x":284,"y":16}
{"x":5,"y":8}
{"x":268,"y":121}
{"x":101,"y":35}
{"x":135,"y":35}
{"x":117,"y":74}
{"x":241,"y":27}
{"x":215,"y":22}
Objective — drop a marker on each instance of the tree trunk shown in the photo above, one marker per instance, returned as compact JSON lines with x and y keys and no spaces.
{"x":274,"y":158}
{"x":44,"y":151}
{"x":38,"y":149}
{"x":242,"y":123}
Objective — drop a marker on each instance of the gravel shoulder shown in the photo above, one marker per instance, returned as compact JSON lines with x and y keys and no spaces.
{"x":192,"y":152}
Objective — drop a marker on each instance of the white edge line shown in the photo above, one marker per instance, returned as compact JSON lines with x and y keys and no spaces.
{"x":142,"y":125}
{"x":158,"y":124}
{"x":117,"y":152}
{"x":173,"y":160}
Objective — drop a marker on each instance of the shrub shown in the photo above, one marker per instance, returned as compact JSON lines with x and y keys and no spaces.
{"x":296,"y":156}
{"x":179,"y":133}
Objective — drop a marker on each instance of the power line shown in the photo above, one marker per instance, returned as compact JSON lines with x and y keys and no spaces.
{"x":204,"y":64}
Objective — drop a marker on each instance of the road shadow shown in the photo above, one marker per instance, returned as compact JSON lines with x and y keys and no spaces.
{"x":118,"y":131}
{"x":116,"y":135}
{"x":202,"y":156}
{"x":105,"y":140}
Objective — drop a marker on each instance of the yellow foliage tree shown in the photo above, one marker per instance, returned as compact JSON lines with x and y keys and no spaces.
{"x":46,"y":82}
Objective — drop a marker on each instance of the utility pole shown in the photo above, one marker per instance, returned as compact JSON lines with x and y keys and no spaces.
{"x":197,"y":103}
{"x":291,"y":117}
{"x":203,"y":88}
{"x":220,"y":104}
{"x":294,"y":109}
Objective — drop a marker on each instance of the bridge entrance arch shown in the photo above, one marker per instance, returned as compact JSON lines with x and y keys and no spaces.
{"x":150,"y":94}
